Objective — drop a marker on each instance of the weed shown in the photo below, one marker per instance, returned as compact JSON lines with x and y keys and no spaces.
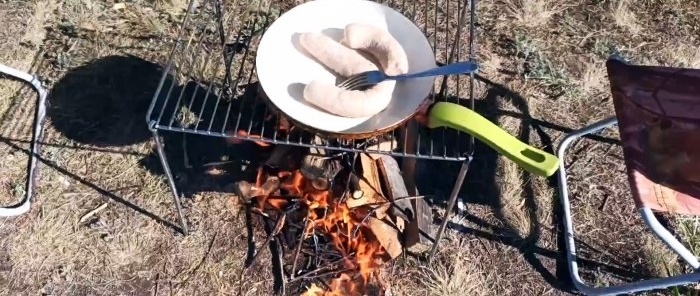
{"x":540,"y":68}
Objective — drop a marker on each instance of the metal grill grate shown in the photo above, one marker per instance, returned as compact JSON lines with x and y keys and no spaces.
{"x":210,"y":86}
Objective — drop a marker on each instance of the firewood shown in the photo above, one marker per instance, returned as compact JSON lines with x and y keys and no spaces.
{"x":381,"y":146}
{"x":370,"y":187}
{"x":421,"y":210}
{"x":247,"y":191}
{"x":395,"y":186}
{"x":243,"y":190}
{"x":314,"y":162}
{"x":318,"y":167}
{"x":387,"y":236}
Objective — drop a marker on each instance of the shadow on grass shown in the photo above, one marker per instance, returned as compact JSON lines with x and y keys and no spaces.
{"x":95,"y":187}
{"x":102,"y":106}
{"x":104,"y":102}
{"x":480,"y":188}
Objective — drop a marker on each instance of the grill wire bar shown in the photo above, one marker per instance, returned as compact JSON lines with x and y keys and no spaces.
{"x":209,"y":86}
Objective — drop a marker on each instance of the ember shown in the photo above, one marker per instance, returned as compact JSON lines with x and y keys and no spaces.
{"x":332,"y":243}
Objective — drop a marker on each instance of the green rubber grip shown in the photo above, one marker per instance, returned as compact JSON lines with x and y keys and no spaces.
{"x":533,"y":160}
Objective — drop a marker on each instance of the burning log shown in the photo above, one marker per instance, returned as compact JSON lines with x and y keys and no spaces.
{"x":247,"y":191}
{"x":319,"y":167}
{"x":370,"y":188}
{"x":322,"y":235}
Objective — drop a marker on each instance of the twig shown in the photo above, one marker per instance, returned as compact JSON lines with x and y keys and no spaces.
{"x":409,"y":197}
{"x":279,"y":281}
{"x":321,"y":274}
{"x":251,"y":234}
{"x":605,"y":203}
{"x":93,"y":212}
{"x":298,"y":248}
{"x":357,"y":228}
{"x":204,"y":258}
{"x":278,"y":227}
{"x":217,"y":163}
{"x":326,"y":266}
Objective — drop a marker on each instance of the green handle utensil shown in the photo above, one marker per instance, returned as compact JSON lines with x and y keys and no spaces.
{"x":533,"y":160}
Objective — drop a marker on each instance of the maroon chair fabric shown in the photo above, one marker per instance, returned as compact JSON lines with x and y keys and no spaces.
{"x":658,"y":112}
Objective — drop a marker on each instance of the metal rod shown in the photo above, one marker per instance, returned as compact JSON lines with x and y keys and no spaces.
{"x":34,"y":146}
{"x":450,"y":205}
{"x":176,"y":196}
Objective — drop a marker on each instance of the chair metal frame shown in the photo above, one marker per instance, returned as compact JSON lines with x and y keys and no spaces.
{"x":34,"y":146}
{"x":647,"y":215}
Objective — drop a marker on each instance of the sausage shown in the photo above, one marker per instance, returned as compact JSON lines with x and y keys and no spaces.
{"x":378,"y":43}
{"x":346,"y":62}
{"x":349,"y":103}
{"x":341,"y":59}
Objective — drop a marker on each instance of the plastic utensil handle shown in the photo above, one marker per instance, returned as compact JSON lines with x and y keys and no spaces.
{"x":464,"y":119}
{"x":456,"y":68}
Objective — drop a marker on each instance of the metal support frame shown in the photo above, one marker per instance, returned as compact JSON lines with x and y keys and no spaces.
{"x":184,"y":228}
{"x":450,"y":206}
{"x":156,"y":122}
{"x":35,"y":146}
{"x":649,"y":219}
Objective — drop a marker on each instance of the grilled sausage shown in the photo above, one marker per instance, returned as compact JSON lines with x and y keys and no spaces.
{"x":345,"y":61}
{"x":349,"y":103}
{"x":378,"y":43}
{"x":341,"y":59}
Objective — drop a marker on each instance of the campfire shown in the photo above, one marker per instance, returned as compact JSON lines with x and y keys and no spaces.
{"x":332,"y":219}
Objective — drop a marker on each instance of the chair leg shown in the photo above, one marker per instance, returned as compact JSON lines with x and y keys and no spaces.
{"x":638,"y":286}
{"x":35,"y":145}
{"x":176,"y":195}
{"x":668,"y":238}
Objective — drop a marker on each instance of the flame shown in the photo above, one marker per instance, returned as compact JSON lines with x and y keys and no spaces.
{"x":314,"y":290}
{"x":342,"y":225}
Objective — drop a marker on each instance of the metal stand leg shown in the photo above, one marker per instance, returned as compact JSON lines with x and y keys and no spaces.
{"x":35,"y":146}
{"x":645,"y":285}
{"x":450,"y":206}
{"x":171,"y":181}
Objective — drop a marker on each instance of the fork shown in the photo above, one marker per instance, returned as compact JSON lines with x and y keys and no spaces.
{"x":369,"y":78}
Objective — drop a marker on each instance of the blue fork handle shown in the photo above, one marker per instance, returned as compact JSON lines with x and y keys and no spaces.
{"x":455,"y":68}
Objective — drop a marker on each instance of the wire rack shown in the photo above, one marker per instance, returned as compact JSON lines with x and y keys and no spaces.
{"x":210,"y":87}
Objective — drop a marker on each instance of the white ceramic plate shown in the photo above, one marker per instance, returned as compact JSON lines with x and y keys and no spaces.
{"x":283,"y":69}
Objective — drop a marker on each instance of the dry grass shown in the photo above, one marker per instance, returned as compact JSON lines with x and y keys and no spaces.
{"x":456,"y":276}
{"x":625,"y":18}
{"x":593,"y":81}
{"x":548,"y":54}
{"x":687,"y":56}
{"x":533,"y":13}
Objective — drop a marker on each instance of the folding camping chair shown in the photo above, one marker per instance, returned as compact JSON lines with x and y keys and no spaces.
{"x":34,"y":147}
{"x":658,"y":115}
